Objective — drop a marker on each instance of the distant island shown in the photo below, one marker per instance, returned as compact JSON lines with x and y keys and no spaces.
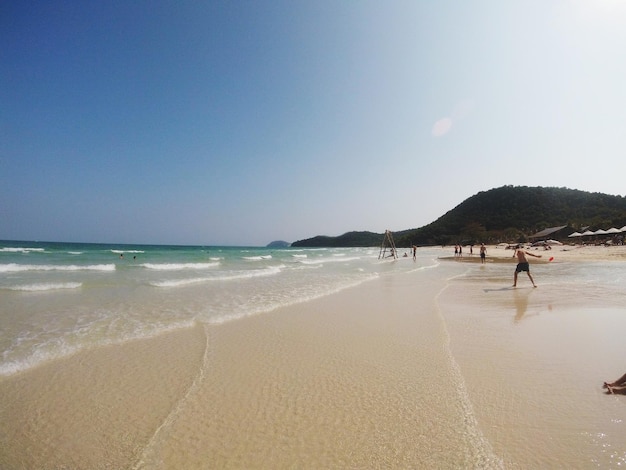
{"x":505,"y":214}
{"x":278,"y":244}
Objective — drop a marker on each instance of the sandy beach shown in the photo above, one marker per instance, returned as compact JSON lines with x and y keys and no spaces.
{"x":436,"y":368}
{"x":560,"y":253}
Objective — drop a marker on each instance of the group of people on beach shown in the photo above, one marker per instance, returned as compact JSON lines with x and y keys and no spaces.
{"x":617,"y":387}
{"x":614,"y":388}
{"x":522,"y":262}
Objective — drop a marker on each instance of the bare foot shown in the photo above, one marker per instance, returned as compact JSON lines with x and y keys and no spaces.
{"x":534,"y":285}
{"x":610,"y":389}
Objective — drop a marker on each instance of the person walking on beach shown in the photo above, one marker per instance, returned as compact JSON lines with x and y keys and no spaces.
{"x":414,"y":252}
{"x":522,"y":264}
{"x":619,"y":386}
{"x":483,"y":253}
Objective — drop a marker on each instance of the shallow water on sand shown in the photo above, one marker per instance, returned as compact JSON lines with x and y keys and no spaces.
{"x":534,"y":360}
{"x":323,"y":388}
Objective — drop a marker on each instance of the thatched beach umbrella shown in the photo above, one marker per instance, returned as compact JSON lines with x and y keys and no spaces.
{"x":575,"y":234}
{"x":613,"y":230}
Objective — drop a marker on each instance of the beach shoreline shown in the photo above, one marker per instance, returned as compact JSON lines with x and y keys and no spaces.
{"x":428,"y":368}
{"x":499,"y":254}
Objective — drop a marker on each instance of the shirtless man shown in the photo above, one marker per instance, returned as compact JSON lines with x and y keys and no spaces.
{"x":522,"y":265}
{"x":483,"y":253}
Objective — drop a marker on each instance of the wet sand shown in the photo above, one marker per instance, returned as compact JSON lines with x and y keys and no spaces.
{"x":409,"y":371}
{"x":98,"y":408}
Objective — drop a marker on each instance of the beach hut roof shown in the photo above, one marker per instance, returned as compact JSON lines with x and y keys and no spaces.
{"x":548,"y":231}
{"x":613,"y":230}
{"x":587,"y":232}
{"x":575,"y":234}
{"x":623,"y":229}
{"x":600,"y":232}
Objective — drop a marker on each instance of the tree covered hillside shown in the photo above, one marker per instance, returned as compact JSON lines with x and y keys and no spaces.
{"x":508,"y":213}
{"x":345,"y":240}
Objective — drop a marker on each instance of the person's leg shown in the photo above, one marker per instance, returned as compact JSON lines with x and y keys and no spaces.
{"x":616,"y":390}
{"x":620,"y":381}
{"x":531,"y":278}
{"x":514,"y":278}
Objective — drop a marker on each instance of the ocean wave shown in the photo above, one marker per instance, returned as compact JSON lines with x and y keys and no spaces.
{"x":13,"y":267}
{"x":300,"y":256}
{"x":329,"y":260}
{"x":46,"y":286}
{"x":59,"y":348}
{"x":257,"y":258}
{"x":179,"y":266}
{"x":179,"y":282}
{"x":258,"y":309}
{"x":224,"y":277}
{"x":121,"y":252}
{"x":8,"y":249}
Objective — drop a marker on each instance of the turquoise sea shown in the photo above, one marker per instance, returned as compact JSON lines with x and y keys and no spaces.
{"x":58,"y":298}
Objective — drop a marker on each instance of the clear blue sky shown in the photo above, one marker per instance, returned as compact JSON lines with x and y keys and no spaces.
{"x":243,"y":122}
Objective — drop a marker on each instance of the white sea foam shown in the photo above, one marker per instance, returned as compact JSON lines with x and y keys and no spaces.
{"x":317,"y":293}
{"x":257,"y":258}
{"x":13,"y":267}
{"x":329,"y":260}
{"x":300,"y":256}
{"x":46,"y":286}
{"x":62,"y":347}
{"x":20,"y":250}
{"x":120,"y":252}
{"x":75,"y":252}
{"x":179,"y":266}
{"x":271,"y":271}
{"x":180,"y":282}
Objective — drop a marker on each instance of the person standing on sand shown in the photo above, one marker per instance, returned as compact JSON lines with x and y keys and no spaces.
{"x":522,"y":264}
{"x":483,"y":253}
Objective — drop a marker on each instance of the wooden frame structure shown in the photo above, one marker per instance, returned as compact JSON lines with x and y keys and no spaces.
{"x":388,"y":244}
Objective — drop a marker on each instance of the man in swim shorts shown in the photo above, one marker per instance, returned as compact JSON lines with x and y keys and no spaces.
{"x":522,"y":264}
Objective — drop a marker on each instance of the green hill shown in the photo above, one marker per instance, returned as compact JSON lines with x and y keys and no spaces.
{"x":508,"y":213}
{"x":345,"y":240}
